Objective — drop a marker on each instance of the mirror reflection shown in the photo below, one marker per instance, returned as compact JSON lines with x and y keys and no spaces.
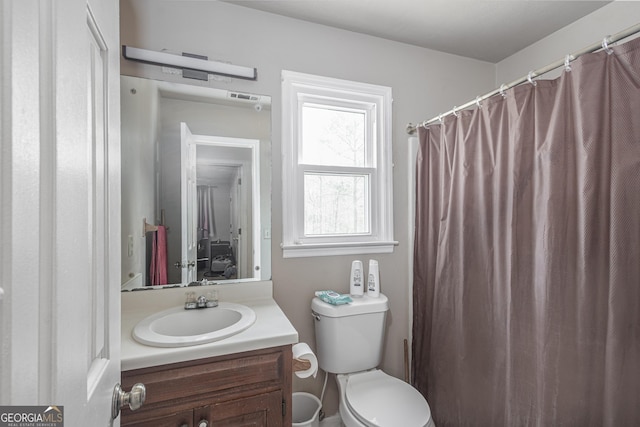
{"x":196,"y":184}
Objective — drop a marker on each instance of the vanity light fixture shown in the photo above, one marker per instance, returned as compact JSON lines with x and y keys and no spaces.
{"x":189,"y":63}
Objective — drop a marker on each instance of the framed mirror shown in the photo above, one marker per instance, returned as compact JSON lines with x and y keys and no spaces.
{"x":196,"y":184}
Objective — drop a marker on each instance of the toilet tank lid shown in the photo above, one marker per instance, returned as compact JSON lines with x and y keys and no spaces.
{"x":360,"y":305}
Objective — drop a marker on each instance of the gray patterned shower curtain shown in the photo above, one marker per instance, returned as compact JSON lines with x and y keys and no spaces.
{"x":526,"y":294}
{"x":206,"y":214}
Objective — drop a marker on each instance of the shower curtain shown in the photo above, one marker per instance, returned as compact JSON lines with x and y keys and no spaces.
{"x":206,"y":215}
{"x":526,"y":294}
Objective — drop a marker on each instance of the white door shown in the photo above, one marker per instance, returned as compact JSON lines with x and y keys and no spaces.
{"x":189,"y":214}
{"x":242,"y":217}
{"x":60,"y":206}
{"x":236,"y":232}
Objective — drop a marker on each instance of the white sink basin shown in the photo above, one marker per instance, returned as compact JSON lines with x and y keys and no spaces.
{"x":177,"y":327}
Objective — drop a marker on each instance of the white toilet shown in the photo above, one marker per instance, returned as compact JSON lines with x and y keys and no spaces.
{"x":349,"y":342}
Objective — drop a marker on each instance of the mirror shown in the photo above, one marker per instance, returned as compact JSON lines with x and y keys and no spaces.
{"x":196,"y":161}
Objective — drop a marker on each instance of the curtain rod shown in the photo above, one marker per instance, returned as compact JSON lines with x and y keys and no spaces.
{"x":411,"y":128}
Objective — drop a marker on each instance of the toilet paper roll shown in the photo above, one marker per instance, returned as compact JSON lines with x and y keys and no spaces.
{"x":303,"y":352}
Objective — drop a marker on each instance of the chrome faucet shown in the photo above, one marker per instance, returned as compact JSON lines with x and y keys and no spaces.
{"x":211,"y":300}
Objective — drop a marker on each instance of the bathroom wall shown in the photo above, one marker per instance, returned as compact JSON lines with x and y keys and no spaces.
{"x":607,"y":20}
{"x":424,"y":83}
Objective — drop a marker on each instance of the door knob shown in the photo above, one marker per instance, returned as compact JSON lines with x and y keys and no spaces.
{"x":203,"y":423}
{"x":180,"y":264}
{"x":134,"y":399}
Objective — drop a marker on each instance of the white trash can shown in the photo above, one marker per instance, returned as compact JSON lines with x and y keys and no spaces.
{"x":306,"y":410}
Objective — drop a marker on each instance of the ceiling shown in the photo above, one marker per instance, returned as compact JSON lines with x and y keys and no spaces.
{"x":481,"y":29}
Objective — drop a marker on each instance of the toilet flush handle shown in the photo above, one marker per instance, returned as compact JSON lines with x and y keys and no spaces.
{"x":315,"y":315}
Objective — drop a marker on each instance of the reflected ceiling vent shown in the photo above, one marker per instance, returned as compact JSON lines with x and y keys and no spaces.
{"x":258,"y":101}
{"x":243,"y":96}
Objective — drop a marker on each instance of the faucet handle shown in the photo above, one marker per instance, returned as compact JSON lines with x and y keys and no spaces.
{"x":212,"y":298}
{"x":190,"y":302}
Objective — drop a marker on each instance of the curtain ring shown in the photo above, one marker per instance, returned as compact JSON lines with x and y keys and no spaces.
{"x":455,"y":112}
{"x":530,"y":78}
{"x":605,"y":45}
{"x":478,"y":102}
{"x":440,"y":118}
{"x":503,"y":87}
{"x":567,"y":61}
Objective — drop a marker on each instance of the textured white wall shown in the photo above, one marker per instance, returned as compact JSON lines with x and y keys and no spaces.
{"x":424,"y":83}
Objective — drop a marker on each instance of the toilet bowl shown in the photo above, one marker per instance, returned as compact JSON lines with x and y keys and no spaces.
{"x":376,"y":399}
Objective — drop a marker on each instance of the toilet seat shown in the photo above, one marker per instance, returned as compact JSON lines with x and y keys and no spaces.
{"x":380,"y":400}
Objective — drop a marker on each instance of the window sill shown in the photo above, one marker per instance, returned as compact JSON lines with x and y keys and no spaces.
{"x":330,"y":249}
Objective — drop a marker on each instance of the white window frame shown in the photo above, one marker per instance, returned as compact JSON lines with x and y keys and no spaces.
{"x":297,"y":89}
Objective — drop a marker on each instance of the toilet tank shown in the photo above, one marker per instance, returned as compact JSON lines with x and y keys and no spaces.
{"x":349,"y":337}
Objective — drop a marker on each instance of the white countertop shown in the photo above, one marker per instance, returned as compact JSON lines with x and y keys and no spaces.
{"x":271,"y":328}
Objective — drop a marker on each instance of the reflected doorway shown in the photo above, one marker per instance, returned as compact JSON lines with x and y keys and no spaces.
{"x":226,"y":218}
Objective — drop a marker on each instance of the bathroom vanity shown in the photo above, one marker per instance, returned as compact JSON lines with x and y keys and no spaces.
{"x":250,"y":388}
{"x":241,"y":380}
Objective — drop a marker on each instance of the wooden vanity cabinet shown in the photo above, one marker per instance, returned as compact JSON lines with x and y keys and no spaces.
{"x":243,"y":389}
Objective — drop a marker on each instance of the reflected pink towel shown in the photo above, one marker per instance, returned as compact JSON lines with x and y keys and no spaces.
{"x":158,"y":270}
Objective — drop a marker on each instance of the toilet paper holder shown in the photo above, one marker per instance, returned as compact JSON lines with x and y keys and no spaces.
{"x":304,"y":362}
{"x":301,"y":365}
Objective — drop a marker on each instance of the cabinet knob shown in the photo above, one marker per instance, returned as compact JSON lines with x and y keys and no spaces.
{"x":203,"y":423}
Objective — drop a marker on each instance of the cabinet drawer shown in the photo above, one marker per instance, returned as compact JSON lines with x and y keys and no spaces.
{"x":181,"y":419}
{"x":206,"y":376}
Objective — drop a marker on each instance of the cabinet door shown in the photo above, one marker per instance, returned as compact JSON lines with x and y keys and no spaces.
{"x":263,"y":410}
{"x":181,"y":419}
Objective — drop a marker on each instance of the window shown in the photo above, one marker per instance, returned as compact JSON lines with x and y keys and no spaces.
{"x":337,"y":177}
